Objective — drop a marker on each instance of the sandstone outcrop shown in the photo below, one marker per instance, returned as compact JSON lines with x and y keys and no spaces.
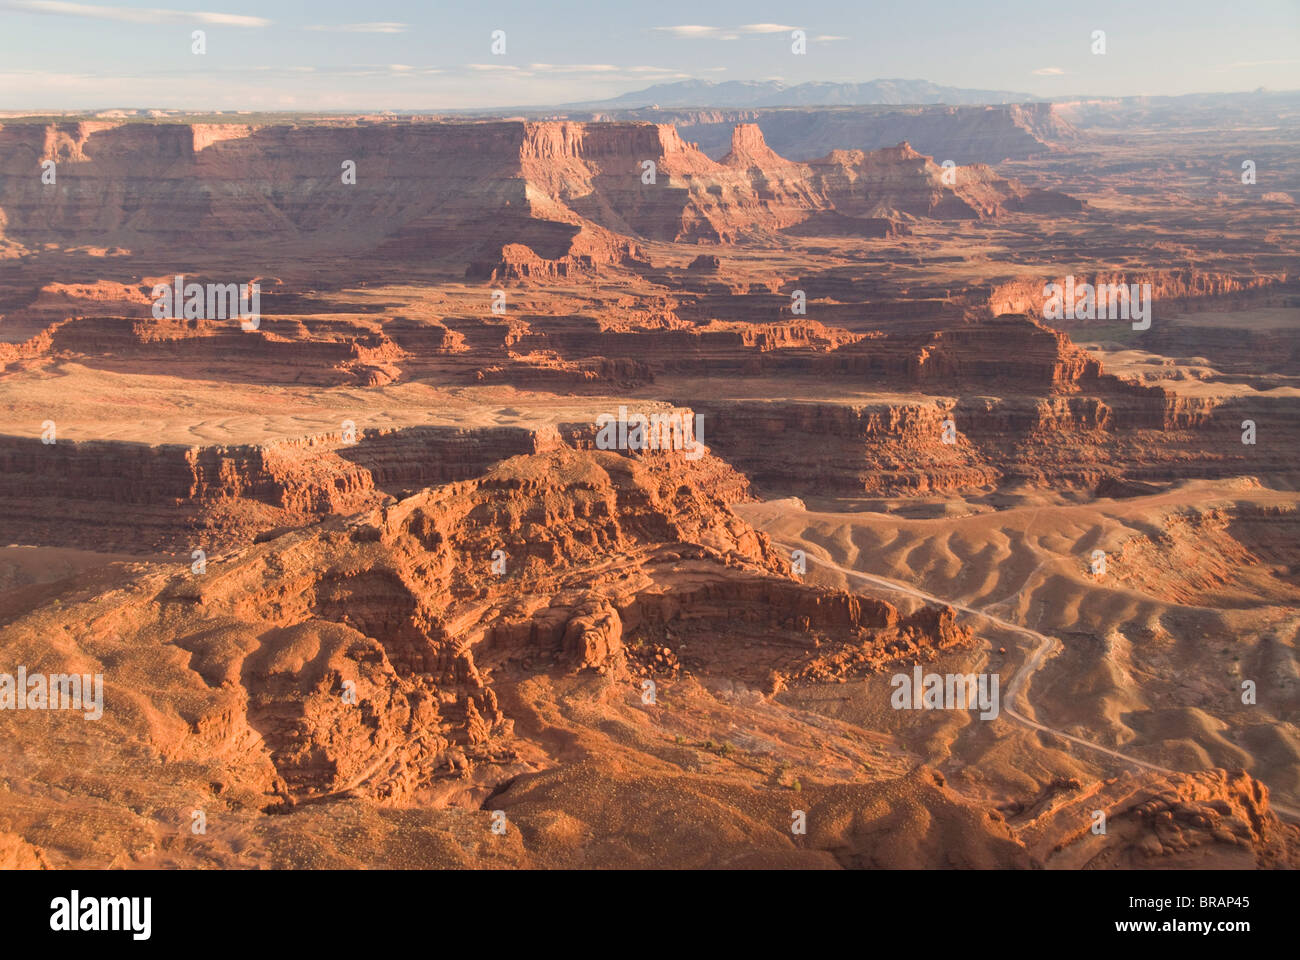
{"x":1216,"y":818}
{"x":1171,"y":290}
{"x":964,"y":134}
{"x":540,"y":201}
{"x":360,"y":654}
{"x":365,"y":576}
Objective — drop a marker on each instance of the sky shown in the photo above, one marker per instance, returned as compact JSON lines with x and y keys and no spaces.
{"x":341,"y":55}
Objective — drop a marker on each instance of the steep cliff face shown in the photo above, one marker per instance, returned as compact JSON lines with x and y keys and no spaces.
{"x":284,"y":349}
{"x":1170,"y":289}
{"x":844,"y":449}
{"x":899,"y":181}
{"x":1025,"y":404}
{"x":976,"y":354}
{"x":753,"y":191}
{"x":511,"y":199}
{"x":362,"y":656}
{"x":1001,"y":401}
{"x":975,"y":134}
{"x":173,"y":189}
{"x":139,"y":498}
{"x":1083,"y":442}
{"x":1004,"y":352}
{"x":710,"y":348}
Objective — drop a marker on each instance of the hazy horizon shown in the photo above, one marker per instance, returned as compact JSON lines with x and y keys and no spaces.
{"x":412,"y":57}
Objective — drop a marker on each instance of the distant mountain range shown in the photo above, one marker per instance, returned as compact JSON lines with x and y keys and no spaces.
{"x":773,"y":93}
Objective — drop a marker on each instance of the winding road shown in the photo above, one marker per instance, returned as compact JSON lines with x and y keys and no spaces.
{"x":1046,"y":647}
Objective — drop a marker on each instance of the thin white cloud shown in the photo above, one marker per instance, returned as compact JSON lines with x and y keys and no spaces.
{"x":1049,"y":72}
{"x":691,"y":31}
{"x":694,"y":31}
{"x":827,"y":38}
{"x":574,"y":67}
{"x":133,"y":14}
{"x":336,"y":70}
{"x":378,"y":27}
{"x":497,"y":67}
{"x":235,"y":89}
